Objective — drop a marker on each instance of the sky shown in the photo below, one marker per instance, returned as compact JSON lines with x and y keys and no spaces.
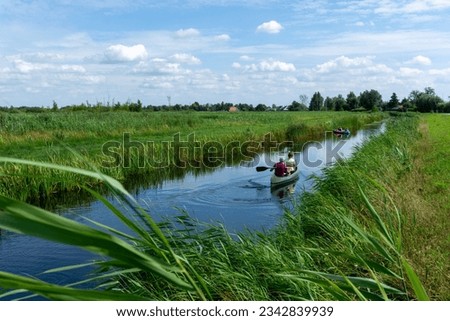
{"x":186,"y":51}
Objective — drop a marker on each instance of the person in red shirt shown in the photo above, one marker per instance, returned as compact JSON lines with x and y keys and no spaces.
{"x":280,"y":168}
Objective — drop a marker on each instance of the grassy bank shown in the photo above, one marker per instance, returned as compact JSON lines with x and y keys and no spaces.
{"x":424,"y":198}
{"x":120,"y":144}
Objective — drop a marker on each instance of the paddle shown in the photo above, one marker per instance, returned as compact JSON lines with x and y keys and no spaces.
{"x":263,"y":168}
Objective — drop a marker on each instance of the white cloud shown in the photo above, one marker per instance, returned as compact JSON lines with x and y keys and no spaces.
{"x":275,"y":65}
{"x":271,"y":27}
{"x":391,"y":7}
{"x":121,"y":53}
{"x":162,"y":66}
{"x":223,"y":37}
{"x":410,"y":72}
{"x":27,"y":67}
{"x":187,"y":33}
{"x":426,"y":5}
{"x":266,"y":65}
{"x":440,"y":72}
{"x":351,"y":64}
{"x":185,"y":58}
{"x":420,"y":60}
{"x":245,"y":58}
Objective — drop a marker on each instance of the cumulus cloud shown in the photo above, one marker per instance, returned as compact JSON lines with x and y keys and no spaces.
{"x":271,"y":27}
{"x":185,"y":58}
{"x":164,"y":66}
{"x":187,"y":33}
{"x":121,"y":53}
{"x":27,"y":67}
{"x":266,"y":65}
{"x":236,"y":65}
{"x":363,"y":64}
{"x":440,"y":72}
{"x":245,"y":58}
{"x":420,"y":60}
{"x":275,"y":65}
{"x":410,"y":72}
{"x":223,"y":37}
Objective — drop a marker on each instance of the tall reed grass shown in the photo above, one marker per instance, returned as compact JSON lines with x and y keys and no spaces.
{"x":123,"y":253}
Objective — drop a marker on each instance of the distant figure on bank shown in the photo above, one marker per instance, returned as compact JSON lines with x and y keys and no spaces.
{"x":280,"y":168}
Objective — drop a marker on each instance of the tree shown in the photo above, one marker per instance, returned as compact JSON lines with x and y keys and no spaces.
{"x":303,"y":99}
{"x":339,"y":103}
{"x":328,"y":104}
{"x":370,"y":100}
{"x":426,"y":101}
{"x":296,"y":106}
{"x":352,"y":101}
{"x":316,"y":102}
{"x":135,"y":107}
{"x":429,"y":91}
{"x":261,"y":107}
{"x":393,"y":102}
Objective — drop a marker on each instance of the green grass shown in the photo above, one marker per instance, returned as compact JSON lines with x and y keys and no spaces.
{"x":437,"y":159}
{"x":424,"y":197}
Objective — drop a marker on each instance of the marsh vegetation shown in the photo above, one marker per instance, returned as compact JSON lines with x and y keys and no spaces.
{"x":354,"y":238}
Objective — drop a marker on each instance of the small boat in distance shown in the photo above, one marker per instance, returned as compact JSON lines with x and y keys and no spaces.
{"x":341,"y":132}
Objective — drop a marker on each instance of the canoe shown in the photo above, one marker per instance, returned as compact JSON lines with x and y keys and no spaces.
{"x":281,"y":180}
{"x":341,"y":132}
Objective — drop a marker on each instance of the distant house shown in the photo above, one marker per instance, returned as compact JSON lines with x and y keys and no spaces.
{"x":233,"y":109}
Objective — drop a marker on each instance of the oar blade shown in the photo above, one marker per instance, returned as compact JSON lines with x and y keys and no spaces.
{"x":262,"y":168}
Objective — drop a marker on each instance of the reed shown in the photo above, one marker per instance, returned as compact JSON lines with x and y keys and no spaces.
{"x":123,"y":252}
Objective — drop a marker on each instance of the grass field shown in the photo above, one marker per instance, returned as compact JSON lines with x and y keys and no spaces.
{"x":86,"y":130}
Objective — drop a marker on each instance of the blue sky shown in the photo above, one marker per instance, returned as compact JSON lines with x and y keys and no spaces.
{"x":260,"y":51}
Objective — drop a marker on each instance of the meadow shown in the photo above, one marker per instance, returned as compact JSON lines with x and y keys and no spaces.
{"x":375,"y":228}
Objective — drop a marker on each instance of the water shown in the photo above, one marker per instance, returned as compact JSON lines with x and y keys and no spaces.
{"x":238,"y":197}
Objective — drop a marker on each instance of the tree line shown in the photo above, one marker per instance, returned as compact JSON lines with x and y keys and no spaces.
{"x":369,"y":100}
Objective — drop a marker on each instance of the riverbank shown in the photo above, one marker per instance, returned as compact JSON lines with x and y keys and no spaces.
{"x":404,"y":176}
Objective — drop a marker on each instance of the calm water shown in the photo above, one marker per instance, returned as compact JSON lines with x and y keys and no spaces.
{"x":238,"y":197}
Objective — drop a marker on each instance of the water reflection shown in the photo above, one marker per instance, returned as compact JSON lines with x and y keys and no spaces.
{"x":285,"y":191}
